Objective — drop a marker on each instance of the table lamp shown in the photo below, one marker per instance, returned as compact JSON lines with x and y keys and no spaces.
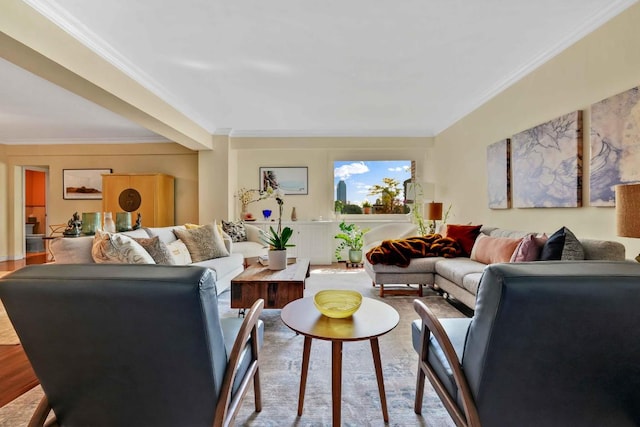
{"x":628,"y":210}
{"x":434,"y":213}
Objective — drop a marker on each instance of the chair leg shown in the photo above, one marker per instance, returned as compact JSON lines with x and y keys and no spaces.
{"x":417,"y":407}
{"x":257,"y":391}
{"x":381,"y":290}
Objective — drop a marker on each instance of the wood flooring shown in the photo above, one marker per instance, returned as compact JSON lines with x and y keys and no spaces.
{"x":16,"y":375}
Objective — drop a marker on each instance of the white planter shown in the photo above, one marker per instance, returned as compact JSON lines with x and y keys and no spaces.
{"x":277,"y":260}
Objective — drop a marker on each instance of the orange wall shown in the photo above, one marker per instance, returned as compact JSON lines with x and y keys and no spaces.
{"x":35,"y":198}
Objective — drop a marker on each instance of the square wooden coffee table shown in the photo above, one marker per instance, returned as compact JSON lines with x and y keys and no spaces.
{"x":276,"y":287}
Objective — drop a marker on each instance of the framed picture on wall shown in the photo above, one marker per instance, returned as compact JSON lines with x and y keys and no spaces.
{"x":292,"y":180}
{"x":83,"y":184}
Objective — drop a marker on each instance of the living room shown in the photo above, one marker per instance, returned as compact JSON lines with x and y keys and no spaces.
{"x":602,"y":64}
{"x":573,"y":76}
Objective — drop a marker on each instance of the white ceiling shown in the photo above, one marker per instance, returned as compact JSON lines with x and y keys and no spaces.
{"x":292,"y":67}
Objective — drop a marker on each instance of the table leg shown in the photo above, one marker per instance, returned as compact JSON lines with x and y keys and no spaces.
{"x":303,"y":375}
{"x":336,"y":380}
{"x":375,"y":350}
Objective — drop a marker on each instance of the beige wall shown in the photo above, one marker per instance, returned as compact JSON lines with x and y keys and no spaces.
{"x":600,"y":65}
{"x":247,"y":155}
{"x":169,"y":158}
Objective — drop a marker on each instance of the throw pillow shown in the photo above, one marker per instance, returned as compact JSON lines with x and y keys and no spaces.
{"x":562,"y":245}
{"x":529,"y":249}
{"x":465,"y":235}
{"x":235,"y":230}
{"x":158,"y":250}
{"x":72,"y":250}
{"x":491,"y":250}
{"x":203,"y":242}
{"x":110,"y":248}
{"x":179,"y":252}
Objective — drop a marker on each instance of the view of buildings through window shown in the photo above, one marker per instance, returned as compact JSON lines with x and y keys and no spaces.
{"x":371,"y":186}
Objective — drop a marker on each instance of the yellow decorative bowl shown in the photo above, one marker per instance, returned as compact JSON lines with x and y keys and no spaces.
{"x":337,"y":303}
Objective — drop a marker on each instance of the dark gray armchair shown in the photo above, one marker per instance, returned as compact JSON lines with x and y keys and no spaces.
{"x":133,"y":345}
{"x":550,"y":344}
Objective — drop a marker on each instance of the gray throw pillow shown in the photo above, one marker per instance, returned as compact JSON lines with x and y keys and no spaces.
{"x":158,"y":250}
{"x":203,"y":242}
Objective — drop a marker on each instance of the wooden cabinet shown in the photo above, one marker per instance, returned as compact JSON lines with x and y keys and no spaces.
{"x":156,"y":197}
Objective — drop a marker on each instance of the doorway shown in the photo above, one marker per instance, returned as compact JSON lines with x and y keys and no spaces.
{"x":35,"y":209}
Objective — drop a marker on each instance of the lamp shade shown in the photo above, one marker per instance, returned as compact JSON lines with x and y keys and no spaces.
{"x":434,"y":211}
{"x":628,"y":210}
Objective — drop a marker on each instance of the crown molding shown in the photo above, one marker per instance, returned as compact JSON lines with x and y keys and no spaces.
{"x":77,"y":141}
{"x":597,"y":20}
{"x":311,"y":133}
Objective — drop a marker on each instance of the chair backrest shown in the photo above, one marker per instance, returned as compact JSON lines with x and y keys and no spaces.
{"x":143,"y":340}
{"x":556,"y":343}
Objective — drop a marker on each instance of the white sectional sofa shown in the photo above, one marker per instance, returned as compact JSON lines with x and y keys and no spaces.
{"x":77,"y":250}
{"x":458,"y":277}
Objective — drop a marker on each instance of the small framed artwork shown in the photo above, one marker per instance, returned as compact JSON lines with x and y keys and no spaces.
{"x":292,"y":180}
{"x":83,"y":184}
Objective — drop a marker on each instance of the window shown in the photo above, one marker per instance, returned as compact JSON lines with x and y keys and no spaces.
{"x":376,"y":187}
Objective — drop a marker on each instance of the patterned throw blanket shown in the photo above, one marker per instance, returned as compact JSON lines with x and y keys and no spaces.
{"x":399,"y":252}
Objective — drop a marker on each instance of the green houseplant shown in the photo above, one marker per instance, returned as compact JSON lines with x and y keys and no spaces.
{"x":278,"y":241}
{"x":351,"y":237}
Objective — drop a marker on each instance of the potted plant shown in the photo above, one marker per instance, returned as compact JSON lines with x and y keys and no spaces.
{"x":278,"y":244}
{"x":352,"y":238}
{"x":366,"y":207}
{"x":278,"y":241}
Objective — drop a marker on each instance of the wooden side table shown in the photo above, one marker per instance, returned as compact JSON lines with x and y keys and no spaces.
{"x":373,"y":319}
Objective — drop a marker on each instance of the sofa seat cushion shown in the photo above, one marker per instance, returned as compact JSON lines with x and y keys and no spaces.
{"x":457,"y":332}
{"x":455,"y":269}
{"x":222,"y":266}
{"x":249,"y":249}
{"x":471,"y":281}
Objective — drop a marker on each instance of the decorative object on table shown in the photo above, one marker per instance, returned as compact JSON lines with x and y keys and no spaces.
{"x":74,"y":226}
{"x":109,"y":225}
{"x":251,"y":195}
{"x":417,"y":193}
{"x":628,"y":210}
{"x":91,"y":221}
{"x":123,"y":221}
{"x":83,"y":184}
{"x":499,"y":174}
{"x":138,"y":223}
{"x":266,"y":214}
{"x":337,"y":303}
{"x":434,"y":213}
{"x":294,"y":215}
{"x":547,"y":164}
{"x":351,"y":236}
{"x":615,"y":145}
{"x":278,"y":241}
{"x":291,"y":180}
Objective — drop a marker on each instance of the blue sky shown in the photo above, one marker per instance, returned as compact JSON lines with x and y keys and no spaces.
{"x":361,"y":175}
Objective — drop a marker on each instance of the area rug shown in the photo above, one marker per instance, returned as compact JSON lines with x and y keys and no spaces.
{"x":281,"y":364}
{"x":7,"y":333}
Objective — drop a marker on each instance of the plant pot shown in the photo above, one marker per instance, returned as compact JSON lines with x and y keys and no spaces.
{"x":277,"y":259}
{"x":367,"y":210}
{"x":355,"y":256}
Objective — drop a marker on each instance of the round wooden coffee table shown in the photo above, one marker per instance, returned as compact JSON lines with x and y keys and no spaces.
{"x":373,"y":319}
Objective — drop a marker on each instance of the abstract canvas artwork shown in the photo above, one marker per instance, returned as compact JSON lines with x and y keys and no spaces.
{"x":615,"y":145}
{"x":498,"y":175}
{"x":547,"y":164}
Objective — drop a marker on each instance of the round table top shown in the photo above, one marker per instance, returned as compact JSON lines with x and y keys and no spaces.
{"x":373,"y":318}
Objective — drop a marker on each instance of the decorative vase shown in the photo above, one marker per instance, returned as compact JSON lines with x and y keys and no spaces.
{"x":109,"y":226}
{"x":91,"y":221}
{"x":294,"y":215}
{"x":355,"y":256}
{"x":123,"y":221}
{"x":277,"y":259}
